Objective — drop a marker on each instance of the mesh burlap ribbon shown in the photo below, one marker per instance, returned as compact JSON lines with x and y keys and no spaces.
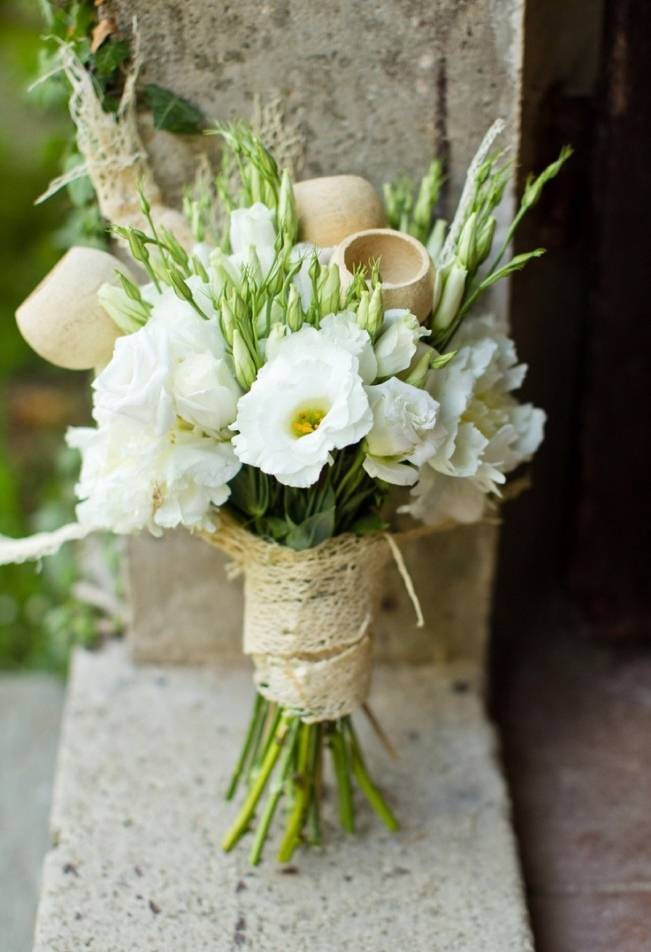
{"x":308,"y":617}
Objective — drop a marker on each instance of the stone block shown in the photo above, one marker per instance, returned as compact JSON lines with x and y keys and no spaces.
{"x":138,"y":815}
{"x":374,"y":90}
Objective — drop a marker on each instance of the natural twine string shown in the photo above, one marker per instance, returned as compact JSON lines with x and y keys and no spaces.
{"x":308,"y":615}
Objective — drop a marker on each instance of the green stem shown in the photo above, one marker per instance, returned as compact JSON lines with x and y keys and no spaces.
{"x":302,"y":785}
{"x":365,"y":783}
{"x":342,"y":774}
{"x":269,"y":729}
{"x":242,"y":820}
{"x":256,"y":716}
{"x":281,"y":776}
{"x":351,"y":474}
{"x":316,"y":766}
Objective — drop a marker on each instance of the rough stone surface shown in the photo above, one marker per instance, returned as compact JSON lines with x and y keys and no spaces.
{"x":30,"y":711}
{"x":375,"y":90}
{"x":138,"y":816}
{"x":182,"y":579}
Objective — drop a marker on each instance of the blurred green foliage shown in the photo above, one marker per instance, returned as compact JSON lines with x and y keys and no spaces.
{"x":39,"y":618}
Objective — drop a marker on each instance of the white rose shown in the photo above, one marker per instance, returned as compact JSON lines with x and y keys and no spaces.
{"x":342,"y":328}
{"x":206,"y":392}
{"x":397,"y":343}
{"x":404,"y":431}
{"x":135,"y":382}
{"x":305,"y":402}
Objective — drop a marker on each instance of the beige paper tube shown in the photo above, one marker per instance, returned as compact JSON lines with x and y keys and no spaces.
{"x":63,"y":321}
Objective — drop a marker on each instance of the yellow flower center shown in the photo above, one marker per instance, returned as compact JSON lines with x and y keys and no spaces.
{"x":306,"y":421}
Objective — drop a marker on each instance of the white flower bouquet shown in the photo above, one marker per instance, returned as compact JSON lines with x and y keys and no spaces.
{"x":269,"y":394}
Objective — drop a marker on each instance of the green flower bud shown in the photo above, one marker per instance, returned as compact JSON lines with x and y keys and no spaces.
{"x":363,"y":309}
{"x":286,"y":214}
{"x":418,"y":375}
{"x":129,"y":313}
{"x":245,"y":369}
{"x":375,"y":318}
{"x":179,"y":286}
{"x":451,"y":297}
{"x":485,"y":240}
{"x":329,"y":290}
{"x":294,"y":316}
{"x":227,"y":321}
{"x":436,"y":238}
{"x":137,"y":246}
{"x":198,"y":268}
{"x":467,"y":246}
{"x":253,"y":266}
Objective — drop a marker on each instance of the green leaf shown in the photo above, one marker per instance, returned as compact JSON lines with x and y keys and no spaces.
{"x":276,"y":527}
{"x":312,"y":531}
{"x":370,"y":523}
{"x":516,"y":263}
{"x":110,"y":57}
{"x":437,"y":362}
{"x":172,"y":113}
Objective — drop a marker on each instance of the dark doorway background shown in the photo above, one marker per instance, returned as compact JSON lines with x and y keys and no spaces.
{"x":571,"y":648}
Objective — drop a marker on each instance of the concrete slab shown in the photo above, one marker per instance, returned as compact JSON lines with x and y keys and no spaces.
{"x":30,"y":713}
{"x":138,"y":814}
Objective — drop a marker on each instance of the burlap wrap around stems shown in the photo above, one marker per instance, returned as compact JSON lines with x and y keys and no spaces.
{"x":308,"y":617}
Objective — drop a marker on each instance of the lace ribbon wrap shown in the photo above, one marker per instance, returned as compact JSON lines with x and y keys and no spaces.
{"x":308,"y":617}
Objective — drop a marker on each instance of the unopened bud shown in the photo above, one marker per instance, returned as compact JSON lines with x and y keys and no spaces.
{"x":485,"y":241}
{"x":451,"y":297}
{"x":245,"y":369}
{"x":294,"y":310}
{"x":466,"y":249}
{"x":227,"y":321}
{"x":436,"y":238}
{"x":418,"y":374}
{"x":375,"y":318}
{"x":329,"y":290}
{"x":363,"y":309}
{"x":287,"y":217}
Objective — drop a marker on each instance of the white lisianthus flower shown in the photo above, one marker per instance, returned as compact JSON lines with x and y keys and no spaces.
{"x":193,"y":477}
{"x":253,"y":227}
{"x":131,"y":479}
{"x":206,"y":392}
{"x":397,"y":342}
{"x":437,"y":499}
{"x":135,"y":382}
{"x":188,"y":332}
{"x":306,"y":402}
{"x":342,"y":328}
{"x":404,"y":431}
{"x":115,"y":484}
{"x":488,"y":433}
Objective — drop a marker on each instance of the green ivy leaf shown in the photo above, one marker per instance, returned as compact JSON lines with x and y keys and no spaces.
{"x":172,"y":113}
{"x":110,"y":57}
